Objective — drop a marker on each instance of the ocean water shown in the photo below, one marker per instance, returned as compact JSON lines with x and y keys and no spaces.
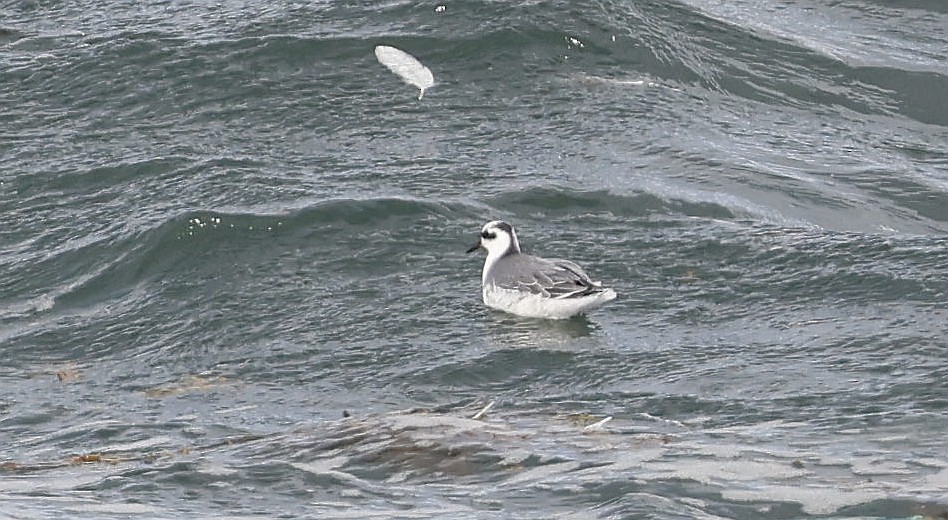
{"x":233,"y":280}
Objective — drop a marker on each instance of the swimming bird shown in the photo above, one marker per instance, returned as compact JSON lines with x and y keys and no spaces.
{"x":531,"y":286}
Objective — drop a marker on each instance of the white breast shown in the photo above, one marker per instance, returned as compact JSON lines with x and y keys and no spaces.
{"x":532,"y":305}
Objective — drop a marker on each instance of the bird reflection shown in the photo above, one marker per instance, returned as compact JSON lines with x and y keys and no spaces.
{"x":509,"y":330}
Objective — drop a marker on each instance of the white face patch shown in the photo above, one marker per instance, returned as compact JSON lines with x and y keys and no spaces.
{"x":499,"y":239}
{"x":496,"y":237}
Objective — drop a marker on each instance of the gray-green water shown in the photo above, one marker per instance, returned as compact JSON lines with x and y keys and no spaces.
{"x":232,"y":280}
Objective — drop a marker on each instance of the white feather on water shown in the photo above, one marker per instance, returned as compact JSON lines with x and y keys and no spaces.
{"x":406,"y":67}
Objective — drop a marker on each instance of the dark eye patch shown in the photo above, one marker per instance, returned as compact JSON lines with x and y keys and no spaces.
{"x":488,"y":235}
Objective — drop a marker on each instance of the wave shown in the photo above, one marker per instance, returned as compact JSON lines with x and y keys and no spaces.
{"x":113,"y":266}
{"x":160,"y":73}
{"x":119,"y":263}
{"x":563,"y":201}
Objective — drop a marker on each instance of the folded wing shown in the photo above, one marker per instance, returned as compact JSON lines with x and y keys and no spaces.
{"x":560,"y":279}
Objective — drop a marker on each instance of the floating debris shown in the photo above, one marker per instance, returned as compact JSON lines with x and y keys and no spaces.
{"x":581,"y":419}
{"x":483,"y":411}
{"x":116,"y":457}
{"x":189,"y":384}
{"x":91,"y":458}
{"x":67,"y":374}
{"x":597,"y":426}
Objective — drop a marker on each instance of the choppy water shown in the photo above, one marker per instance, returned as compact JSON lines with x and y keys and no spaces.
{"x":232,"y":280}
